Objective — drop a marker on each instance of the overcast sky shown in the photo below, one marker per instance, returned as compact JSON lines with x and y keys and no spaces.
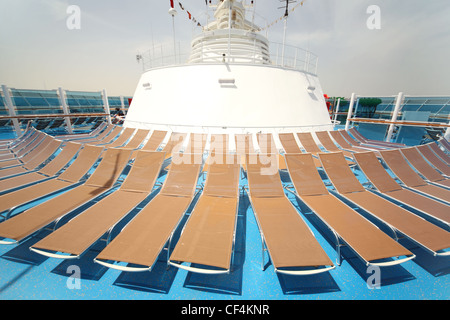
{"x":409,"y":52}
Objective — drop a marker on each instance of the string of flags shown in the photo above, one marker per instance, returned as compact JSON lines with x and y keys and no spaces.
{"x":188,"y":13}
{"x":282,"y":17}
{"x":260,"y":29}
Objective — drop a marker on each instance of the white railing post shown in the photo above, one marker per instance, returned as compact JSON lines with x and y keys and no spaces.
{"x":106,"y":106}
{"x":295,"y":59}
{"x":350,"y":111}
{"x":397,"y":108}
{"x":254,"y":51}
{"x":447,"y":133}
{"x":337,"y":110}
{"x":11,"y":109}
{"x":317,"y":63}
{"x":356,"y":107}
{"x":284,"y":41}
{"x":229,"y":32}
{"x":306,"y":61}
{"x":65,"y":108}
{"x":122,"y":104}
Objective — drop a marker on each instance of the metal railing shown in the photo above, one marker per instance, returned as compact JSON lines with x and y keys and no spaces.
{"x":174,"y":127}
{"x":168,"y":54}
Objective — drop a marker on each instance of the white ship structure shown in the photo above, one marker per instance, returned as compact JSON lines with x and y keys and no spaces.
{"x":231,"y":83}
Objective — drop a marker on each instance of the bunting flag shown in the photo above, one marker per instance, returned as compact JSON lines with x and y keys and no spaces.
{"x":188,"y":13}
{"x":260,"y":29}
{"x":282,"y":17}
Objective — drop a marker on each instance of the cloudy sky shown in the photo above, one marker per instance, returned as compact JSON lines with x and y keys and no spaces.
{"x":408,"y":53}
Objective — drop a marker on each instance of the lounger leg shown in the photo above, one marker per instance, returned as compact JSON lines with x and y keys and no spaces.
{"x":393,"y":232}
{"x":9,"y":213}
{"x":169,"y":242}
{"x":338,"y":249}
{"x":263,"y":249}
{"x":339,"y":257}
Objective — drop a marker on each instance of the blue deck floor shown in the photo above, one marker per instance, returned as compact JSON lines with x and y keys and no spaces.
{"x":27,"y":276}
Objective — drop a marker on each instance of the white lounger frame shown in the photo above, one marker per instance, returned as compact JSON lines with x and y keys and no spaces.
{"x":264,"y":248}
{"x":147,"y":268}
{"x":340,"y":242}
{"x":205,"y":270}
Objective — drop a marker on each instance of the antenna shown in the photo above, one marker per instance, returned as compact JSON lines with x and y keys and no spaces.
{"x":286,"y":7}
{"x":173,"y":13}
{"x":286,"y":14}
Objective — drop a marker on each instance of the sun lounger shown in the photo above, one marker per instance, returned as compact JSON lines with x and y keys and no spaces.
{"x":426,"y":234}
{"x":71,"y":177}
{"x":439,"y":152}
{"x":94,"y":138}
{"x":385,"y":184}
{"x":423,"y":167}
{"x":356,"y":143}
{"x":28,"y":150}
{"x":445,"y":144}
{"x":197,"y":143}
{"x":141,"y":241}
{"x":329,"y":145}
{"x":27,"y":153}
{"x":267,"y":145}
{"x":25,"y":224}
{"x":155,"y":140}
{"x":410,"y":178}
{"x":10,"y":143}
{"x":217,"y":148}
{"x":48,"y":171}
{"x":308,"y":143}
{"x":435,"y":161}
{"x":33,"y":161}
{"x":244,"y":144}
{"x":208,"y":237}
{"x":110,"y":137}
{"x":175,"y":144}
{"x":137,"y":140}
{"x":152,"y":143}
{"x":102,"y":137}
{"x":74,"y":238}
{"x":91,"y":134}
{"x":123,"y":137}
{"x":289,"y":143}
{"x":310,"y":146}
{"x":349,"y":227}
{"x":219,"y":144}
{"x":336,"y":135}
{"x":14,"y":148}
{"x":291,"y":245}
{"x":363,"y":140}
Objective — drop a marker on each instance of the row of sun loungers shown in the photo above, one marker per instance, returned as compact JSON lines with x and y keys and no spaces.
{"x":333,"y":141}
{"x":119,"y":169}
{"x":400,"y":220}
{"x":33,"y":157}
